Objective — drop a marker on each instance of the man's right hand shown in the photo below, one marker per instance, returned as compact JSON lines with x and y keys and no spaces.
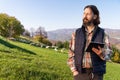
{"x":75,"y":73}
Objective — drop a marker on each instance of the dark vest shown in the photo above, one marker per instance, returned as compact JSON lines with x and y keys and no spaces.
{"x":99,"y":66}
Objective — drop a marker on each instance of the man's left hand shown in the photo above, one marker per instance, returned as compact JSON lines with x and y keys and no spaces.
{"x":97,"y":51}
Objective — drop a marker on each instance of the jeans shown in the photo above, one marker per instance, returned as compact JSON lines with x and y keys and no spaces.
{"x":88,"y":76}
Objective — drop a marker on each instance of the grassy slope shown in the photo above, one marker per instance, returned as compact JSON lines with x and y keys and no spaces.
{"x":19,"y":61}
{"x":25,"y":62}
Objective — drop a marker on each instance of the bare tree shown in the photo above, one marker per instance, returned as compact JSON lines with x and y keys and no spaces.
{"x":32,"y":31}
{"x":41,"y":32}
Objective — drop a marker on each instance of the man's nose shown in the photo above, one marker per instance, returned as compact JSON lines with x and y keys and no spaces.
{"x":84,"y":16}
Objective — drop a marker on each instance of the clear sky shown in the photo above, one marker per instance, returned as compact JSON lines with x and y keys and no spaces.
{"x":59,"y":14}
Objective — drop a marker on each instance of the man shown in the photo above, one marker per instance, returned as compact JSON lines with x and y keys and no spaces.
{"x":88,"y":65}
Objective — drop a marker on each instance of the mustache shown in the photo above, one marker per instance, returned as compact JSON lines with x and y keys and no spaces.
{"x":85,"y":19}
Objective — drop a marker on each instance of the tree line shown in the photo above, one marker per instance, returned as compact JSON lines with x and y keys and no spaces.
{"x":11,"y":27}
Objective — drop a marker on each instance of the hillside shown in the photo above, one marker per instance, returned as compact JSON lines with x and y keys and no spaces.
{"x":20,"y":61}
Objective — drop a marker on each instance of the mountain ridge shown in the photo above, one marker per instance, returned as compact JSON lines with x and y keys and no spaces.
{"x":65,"y":35}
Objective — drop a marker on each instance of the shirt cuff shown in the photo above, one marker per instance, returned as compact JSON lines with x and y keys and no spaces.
{"x":73,"y":69}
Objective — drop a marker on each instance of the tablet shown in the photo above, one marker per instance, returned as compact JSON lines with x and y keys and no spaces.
{"x":94,"y":44}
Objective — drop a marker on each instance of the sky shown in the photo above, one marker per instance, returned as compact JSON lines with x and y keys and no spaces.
{"x":60,"y":14}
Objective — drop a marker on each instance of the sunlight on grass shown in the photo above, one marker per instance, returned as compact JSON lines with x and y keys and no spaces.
{"x":46,"y":64}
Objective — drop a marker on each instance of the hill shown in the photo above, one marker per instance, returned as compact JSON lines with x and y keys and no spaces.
{"x":20,"y":61}
{"x":60,"y":34}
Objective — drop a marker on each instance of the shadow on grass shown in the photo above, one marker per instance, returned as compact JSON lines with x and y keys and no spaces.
{"x":14,"y":46}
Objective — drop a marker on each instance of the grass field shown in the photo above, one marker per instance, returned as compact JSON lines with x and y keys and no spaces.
{"x":19,"y":61}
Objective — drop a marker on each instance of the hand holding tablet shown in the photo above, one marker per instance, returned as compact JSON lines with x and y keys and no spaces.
{"x":94,"y":45}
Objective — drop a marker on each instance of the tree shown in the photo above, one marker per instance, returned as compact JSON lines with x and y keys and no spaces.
{"x":18,"y":28}
{"x":66,"y":44}
{"x":46,"y":41}
{"x":26,"y":33}
{"x":116,"y":55}
{"x":10,"y":26}
{"x":4,"y":24}
{"x":32,"y":32}
{"x":59,"y":44}
{"x":41,"y":36}
{"x":41,"y":32}
{"x":40,"y":39}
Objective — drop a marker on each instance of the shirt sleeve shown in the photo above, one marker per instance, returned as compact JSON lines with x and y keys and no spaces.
{"x":71,"y":61}
{"x":107,"y":48}
{"x":106,"y":51}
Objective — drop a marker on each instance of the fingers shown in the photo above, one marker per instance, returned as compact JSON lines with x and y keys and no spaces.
{"x":75,"y":73}
{"x":94,"y":50}
{"x":99,"y":48}
{"x":97,"y":51}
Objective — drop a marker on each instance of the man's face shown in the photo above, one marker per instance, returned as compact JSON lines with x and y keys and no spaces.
{"x":88,"y":17}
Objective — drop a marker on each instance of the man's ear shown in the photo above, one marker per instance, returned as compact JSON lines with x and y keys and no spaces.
{"x":95,"y":16}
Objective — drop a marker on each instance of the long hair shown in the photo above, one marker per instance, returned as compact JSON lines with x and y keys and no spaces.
{"x":96,"y":12}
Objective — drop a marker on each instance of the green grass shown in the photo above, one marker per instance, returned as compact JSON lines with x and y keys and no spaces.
{"x":113,"y":71}
{"x":19,"y":61}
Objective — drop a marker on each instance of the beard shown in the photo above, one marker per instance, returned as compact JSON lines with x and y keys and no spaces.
{"x":87,"y":22}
